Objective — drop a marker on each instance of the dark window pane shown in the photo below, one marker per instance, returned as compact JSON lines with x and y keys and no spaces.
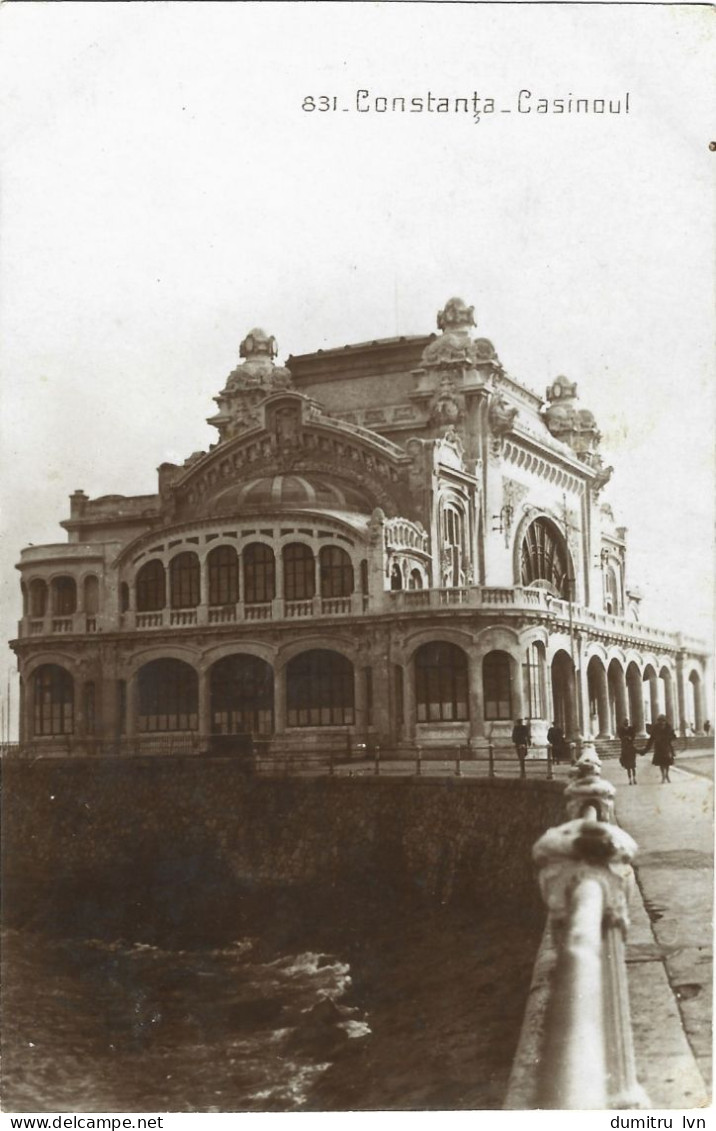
{"x":319,"y":689}
{"x":441,"y":683}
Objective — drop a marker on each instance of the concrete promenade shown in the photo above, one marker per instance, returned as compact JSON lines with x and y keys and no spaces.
{"x":670,"y":942}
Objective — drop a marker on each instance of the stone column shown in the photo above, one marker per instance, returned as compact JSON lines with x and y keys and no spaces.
{"x":620,"y":696}
{"x":132,"y":706}
{"x":654,"y":696}
{"x":359,"y":679}
{"x":582,"y":688}
{"x":384,"y":702}
{"x":22,"y":731}
{"x":108,"y":702}
{"x":474,"y":694}
{"x":518,"y":683}
{"x":698,"y":706}
{"x":681,"y":694}
{"x":279,"y":699}
{"x":669,"y":698}
{"x":409,"y":704}
{"x":28,"y":715}
{"x":204,"y":707}
{"x":603,"y":702}
{"x":636,"y":702}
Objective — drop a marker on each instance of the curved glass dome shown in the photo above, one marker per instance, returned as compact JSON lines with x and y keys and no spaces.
{"x":290,"y":492}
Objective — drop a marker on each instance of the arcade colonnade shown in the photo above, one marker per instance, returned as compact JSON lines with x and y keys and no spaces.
{"x":435,"y":687}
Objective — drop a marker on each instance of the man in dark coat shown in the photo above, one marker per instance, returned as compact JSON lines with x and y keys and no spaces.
{"x":522,"y":740}
{"x":556,"y":739}
{"x":662,"y":738}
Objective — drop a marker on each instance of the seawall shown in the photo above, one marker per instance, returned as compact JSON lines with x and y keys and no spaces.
{"x":150,"y":839}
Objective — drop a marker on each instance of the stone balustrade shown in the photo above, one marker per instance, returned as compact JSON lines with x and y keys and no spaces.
{"x":502,"y":598}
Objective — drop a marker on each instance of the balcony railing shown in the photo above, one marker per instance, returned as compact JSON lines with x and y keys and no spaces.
{"x":497,"y":599}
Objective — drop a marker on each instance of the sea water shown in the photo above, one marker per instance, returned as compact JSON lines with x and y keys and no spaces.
{"x":377,"y":1005}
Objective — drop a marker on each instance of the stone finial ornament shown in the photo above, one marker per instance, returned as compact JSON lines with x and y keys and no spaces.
{"x":456,"y":315}
{"x":574,"y":426}
{"x":249,"y":384}
{"x":581,"y":849}
{"x":589,"y":788}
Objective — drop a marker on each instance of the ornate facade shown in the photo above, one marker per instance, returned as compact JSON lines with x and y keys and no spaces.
{"x":394,"y":542}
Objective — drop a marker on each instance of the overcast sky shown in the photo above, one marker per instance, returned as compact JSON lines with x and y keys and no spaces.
{"x":164,"y":191}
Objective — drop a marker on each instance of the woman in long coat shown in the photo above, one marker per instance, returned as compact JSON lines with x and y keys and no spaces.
{"x":662,"y":738}
{"x":627,"y":758}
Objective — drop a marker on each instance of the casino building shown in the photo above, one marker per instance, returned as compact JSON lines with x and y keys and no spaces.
{"x":392,"y":543}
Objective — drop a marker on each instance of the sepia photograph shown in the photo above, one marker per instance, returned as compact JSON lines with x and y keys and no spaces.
{"x":356,"y":701}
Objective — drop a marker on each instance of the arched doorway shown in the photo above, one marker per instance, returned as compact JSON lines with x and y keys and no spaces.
{"x":635,"y":696}
{"x":564,"y":698}
{"x":666,"y":704}
{"x":650,"y":695}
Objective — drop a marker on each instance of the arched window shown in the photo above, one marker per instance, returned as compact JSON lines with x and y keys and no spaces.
{"x":91,"y":594}
{"x":396,"y":577}
{"x":441,"y":683}
{"x":452,"y":550}
{"x":168,"y":696}
{"x":23,"y":590}
{"x":151,"y":587}
{"x":497,"y":685}
{"x":336,"y":572}
{"x":544,"y":558}
{"x":241,"y":696}
{"x":259,"y":574}
{"x":319,"y":690}
{"x":613,"y":602}
{"x":185,"y":574}
{"x":64,"y":596}
{"x":223,"y":565}
{"x":534,"y":671}
{"x":299,"y":572}
{"x":54,"y":701}
{"x":415,"y":581}
{"x":38,"y":598}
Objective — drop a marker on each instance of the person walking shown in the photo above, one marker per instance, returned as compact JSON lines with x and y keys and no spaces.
{"x":707,"y":728}
{"x":661,"y":738}
{"x":627,"y":758}
{"x":522,"y":742}
{"x":556,"y":739}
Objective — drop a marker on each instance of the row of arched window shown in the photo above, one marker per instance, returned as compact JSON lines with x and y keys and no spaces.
{"x":181,"y":581}
{"x":59,"y":597}
{"x":320,"y":691}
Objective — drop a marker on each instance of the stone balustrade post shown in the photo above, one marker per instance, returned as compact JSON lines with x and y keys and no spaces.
{"x":586,"y":879}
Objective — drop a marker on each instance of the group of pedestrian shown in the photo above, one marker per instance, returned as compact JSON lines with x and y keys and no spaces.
{"x":661,"y":738}
{"x":522,"y":741}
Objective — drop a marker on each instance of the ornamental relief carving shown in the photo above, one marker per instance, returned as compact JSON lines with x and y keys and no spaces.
{"x":544,"y":469}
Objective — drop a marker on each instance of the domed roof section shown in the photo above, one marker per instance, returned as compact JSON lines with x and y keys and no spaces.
{"x":294,"y":492}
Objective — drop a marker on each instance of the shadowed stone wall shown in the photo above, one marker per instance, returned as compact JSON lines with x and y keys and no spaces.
{"x":177,"y":829}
